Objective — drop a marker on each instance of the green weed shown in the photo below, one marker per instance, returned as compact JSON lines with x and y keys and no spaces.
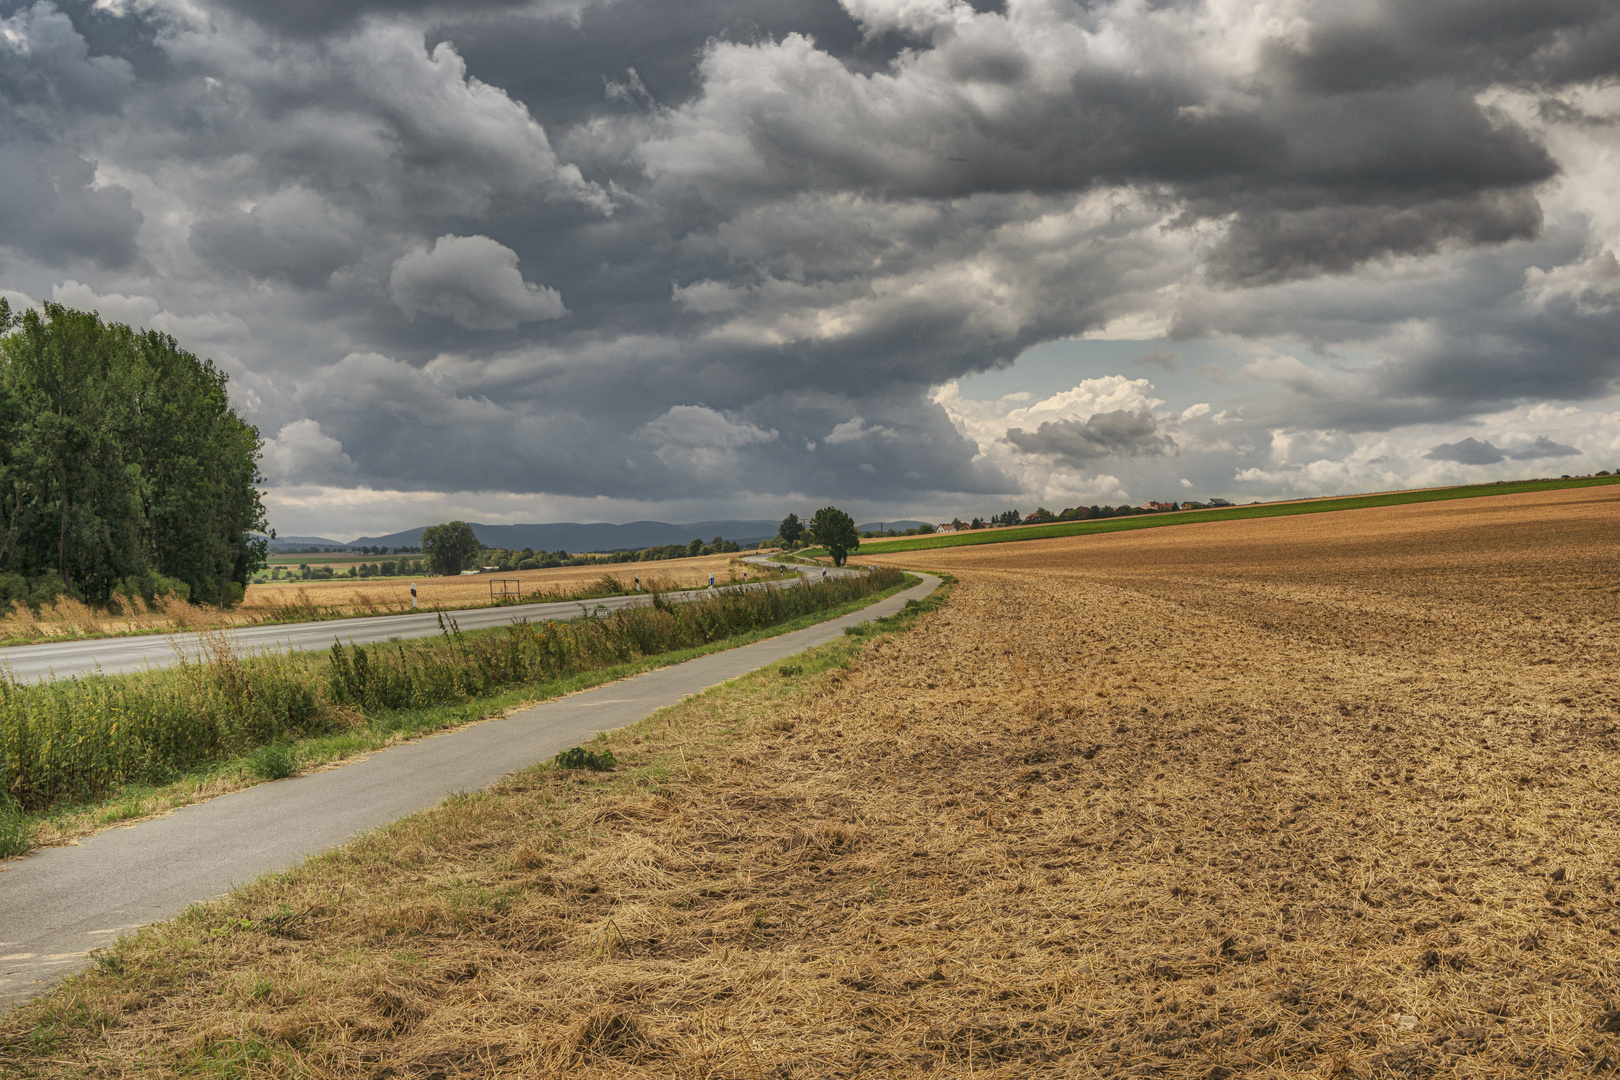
{"x":273,"y":762}
{"x":581,"y":758}
{"x":16,"y":831}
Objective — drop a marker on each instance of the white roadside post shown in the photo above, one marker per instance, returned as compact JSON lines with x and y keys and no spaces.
{"x":413,"y":596}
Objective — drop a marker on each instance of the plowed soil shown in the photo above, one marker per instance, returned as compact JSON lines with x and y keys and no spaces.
{"x":1328,"y":796}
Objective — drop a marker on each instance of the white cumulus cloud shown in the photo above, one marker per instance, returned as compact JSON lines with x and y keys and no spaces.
{"x":473,"y":280}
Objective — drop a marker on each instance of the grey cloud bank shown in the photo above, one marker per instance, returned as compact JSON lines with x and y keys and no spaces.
{"x":568,"y":258}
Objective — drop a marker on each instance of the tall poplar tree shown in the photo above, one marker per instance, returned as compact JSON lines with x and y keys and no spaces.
{"x":122,"y":465}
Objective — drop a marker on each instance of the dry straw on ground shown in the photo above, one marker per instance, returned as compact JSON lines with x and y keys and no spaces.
{"x":1273,"y":800}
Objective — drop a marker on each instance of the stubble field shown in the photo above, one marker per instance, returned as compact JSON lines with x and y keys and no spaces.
{"x":1328,"y":796}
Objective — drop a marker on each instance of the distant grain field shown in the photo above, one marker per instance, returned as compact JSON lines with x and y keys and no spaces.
{"x":344,"y":596}
{"x":363,"y":594}
{"x":1327,"y":796}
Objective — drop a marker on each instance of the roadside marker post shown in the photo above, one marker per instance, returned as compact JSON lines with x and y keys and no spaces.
{"x":413,"y":596}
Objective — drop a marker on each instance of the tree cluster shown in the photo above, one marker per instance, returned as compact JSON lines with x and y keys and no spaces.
{"x":123,"y":468}
{"x":452,"y":548}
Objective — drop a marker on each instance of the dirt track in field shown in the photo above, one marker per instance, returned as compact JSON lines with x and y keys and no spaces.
{"x":1329,"y":795}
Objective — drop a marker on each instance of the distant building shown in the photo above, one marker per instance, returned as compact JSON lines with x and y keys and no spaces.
{"x":1217,"y":502}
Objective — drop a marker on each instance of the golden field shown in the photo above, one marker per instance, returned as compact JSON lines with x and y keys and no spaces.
{"x":1320,"y":796}
{"x":337,"y":597}
{"x":362,"y":595}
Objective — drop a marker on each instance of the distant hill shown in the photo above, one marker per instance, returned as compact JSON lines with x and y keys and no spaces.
{"x":299,"y":543}
{"x":571,"y":536}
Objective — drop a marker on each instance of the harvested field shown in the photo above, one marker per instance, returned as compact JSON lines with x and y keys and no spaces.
{"x":389,"y":594}
{"x":1255,"y":799}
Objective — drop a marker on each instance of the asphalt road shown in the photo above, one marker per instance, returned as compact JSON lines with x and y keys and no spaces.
{"x":112,"y":656}
{"x":57,"y":904}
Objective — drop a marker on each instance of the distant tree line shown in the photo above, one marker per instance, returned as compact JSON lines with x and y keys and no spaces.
{"x":124,"y":471}
{"x":452,"y":547}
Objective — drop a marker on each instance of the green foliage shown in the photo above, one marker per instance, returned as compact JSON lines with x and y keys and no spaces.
{"x":450,"y":548}
{"x":16,"y":834}
{"x":454,"y":668}
{"x":273,"y":761}
{"x":791,"y":531}
{"x":581,"y":758}
{"x":121,"y":461}
{"x":835,"y":530}
{"x":79,"y":738}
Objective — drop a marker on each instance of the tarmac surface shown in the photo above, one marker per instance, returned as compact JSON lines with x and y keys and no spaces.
{"x":57,"y":904}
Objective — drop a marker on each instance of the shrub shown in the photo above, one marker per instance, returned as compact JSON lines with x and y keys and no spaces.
{"x":581,"y":758}
{"x":273,"y":762}
{"x":16,"y":834}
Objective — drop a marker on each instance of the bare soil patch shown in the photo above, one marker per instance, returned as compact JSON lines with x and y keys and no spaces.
{"x":1292,"y":799}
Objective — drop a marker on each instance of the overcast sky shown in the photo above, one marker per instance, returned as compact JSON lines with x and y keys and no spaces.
{"x":581,"y":260}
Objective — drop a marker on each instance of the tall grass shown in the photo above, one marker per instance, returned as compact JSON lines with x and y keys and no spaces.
{"x":77,"y":739}
{"x":454,"y":668}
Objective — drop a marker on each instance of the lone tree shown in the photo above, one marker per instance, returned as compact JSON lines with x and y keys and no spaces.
{"x":450,"y":548}
{"x":791,"y":530}
{"x":835,"y":530}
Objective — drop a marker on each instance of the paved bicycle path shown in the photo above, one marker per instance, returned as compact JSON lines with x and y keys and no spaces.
{"x":59,"y":903}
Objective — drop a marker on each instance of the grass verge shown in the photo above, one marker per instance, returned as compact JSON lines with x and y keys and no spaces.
{"x":1235,"y":513}
{"x":358,"y":733}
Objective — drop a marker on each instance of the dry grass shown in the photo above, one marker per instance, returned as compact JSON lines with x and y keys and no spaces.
{"x":283,"y":600}
{"x":1289,"y":800}
{"x":395,"y":593}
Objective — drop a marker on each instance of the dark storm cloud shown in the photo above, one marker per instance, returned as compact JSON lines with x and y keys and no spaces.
{"x":1120,"y":433}
{"x":1471,"y":451}
{"x":659,"y":251}
{"x":51,"y":205}
{"x":313,"y":18}
{"x":52,"y":209}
